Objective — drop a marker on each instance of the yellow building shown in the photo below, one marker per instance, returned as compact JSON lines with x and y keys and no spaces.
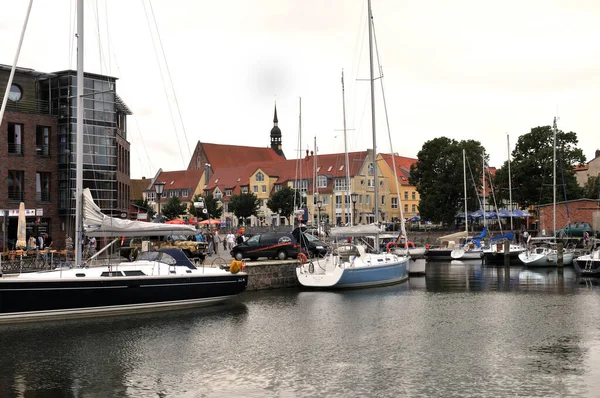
{"x":409,"y":197}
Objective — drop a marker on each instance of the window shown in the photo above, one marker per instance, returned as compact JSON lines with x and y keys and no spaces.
{"x":340,"y":184}
{"x":260,"y":177}
{"x":383,"y":199}
{"x":15,"y":93}
{"x":225,"y":207}
{"x":185,"y":193}
{"x":322,"y":182}
{"x":15,"y":138}
{"x":370,"y":183}
{"x":263,"y":188}
{"x":406,"y":208}
{"x":42,"y":137}
{"x":277,"y":188}
{"x":228,"y":192}
{"x":324,"y":200}
{"x":244,"y":189}
{"x":394,"y":202}
{"x":338,"y":201}
{"x":360,"y":199}
{"x":405,"y":195}
{"x":329,"y":168}
{"x":42,"y":187}
{"x":255,"y":188}
{"x":368,"y":199}
{"x":341,"y":167}
{"x":414,"y":208}
{"x":15,"y":185}
{"x":370,"y":169}
{"x":414,"y":195}
{"x":301,"y":185}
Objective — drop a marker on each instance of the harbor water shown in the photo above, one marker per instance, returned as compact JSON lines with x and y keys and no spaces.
{"x":464,"y":329}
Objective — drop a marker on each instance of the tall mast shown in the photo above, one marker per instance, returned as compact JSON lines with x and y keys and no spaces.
{"x":79,"y":137}
{"x":483,"y":179}
{"x":509,"y":183}
{"x":315,"y":192}
{"x":554,"y":181}
{"x":347,"y":198}
{"x":375,"y":179}
{"x":465,"y":184}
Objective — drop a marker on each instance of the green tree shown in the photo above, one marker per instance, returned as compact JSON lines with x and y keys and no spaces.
{"x":284,"y":200}
{"x":173,"y":208}
{"x":532,"y":168}
{"x":143,"y":204}
{"x":438,"y":177}
{"x":244,"y":205}
{"x":212,"y":205}
{"x":591,"y":190}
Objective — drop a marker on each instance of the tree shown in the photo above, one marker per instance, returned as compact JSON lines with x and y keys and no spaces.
{"x":211,"y":204}
{"x":143,"y":204}
{"x":173,"y":209}
{"x":284,"y":200}
{"x":244,"y":205}
{"x":438,"y":177}
{"x":532,"y":168}
{"x":591,"y":190}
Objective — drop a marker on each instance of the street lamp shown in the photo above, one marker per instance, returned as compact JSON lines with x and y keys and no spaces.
{"x":279,"y":217}
{"x":353,"y":197}
{"x":159,"y":188}
{"x":319,"y":204}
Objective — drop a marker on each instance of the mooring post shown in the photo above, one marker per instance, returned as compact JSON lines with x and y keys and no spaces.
{"x":559,"y":254}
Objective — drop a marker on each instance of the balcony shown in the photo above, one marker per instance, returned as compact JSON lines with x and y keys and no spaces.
{"x":15,"y":149}
{"x":28,"y":106}
{"x":16,"y":196}
{"x":42,"y":196}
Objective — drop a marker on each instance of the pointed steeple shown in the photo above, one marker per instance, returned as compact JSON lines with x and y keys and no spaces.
{"x":276,"y":135}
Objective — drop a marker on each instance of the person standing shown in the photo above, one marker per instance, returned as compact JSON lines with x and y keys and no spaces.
{"x":209,"y":239}
{"x":40,"y":242}
{"x":47,"y":242}
{"x":32,"y":243}
{"x":217,"y":240}
{"x":230,"y":240}
{"x":92,"y":246}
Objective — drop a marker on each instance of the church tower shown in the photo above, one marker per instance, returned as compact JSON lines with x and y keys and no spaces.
{"x":276,"y":136}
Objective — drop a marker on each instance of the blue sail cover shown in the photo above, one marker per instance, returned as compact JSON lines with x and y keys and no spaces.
{"x":482,"y":234}
{"x":508,"y":236}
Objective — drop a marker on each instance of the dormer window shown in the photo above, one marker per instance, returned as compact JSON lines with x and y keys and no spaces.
{"x":341,"y":167}
{"x":321,"y":181}
{"x":260,"y":177}
{"x":330,"y":168}
{"x":370,"y":169}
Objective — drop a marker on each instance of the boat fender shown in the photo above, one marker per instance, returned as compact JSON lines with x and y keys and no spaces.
{"x":410,"y":244}
{"x":302,"y":259}
{"x":388,"y":247}
{"x":235,"y":266}
{"x":427,"y":246}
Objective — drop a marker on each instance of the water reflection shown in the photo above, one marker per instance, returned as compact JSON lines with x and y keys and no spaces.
{"x":462,"y":330}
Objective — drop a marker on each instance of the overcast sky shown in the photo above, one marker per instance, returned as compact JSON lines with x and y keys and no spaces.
{"x":466,"y":69}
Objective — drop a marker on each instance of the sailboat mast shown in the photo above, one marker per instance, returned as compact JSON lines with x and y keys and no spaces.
{"x":554,"y":182}
{"x":483,"y":180}
{"x":375,"y":174}
{"x":509,"y":182}
{"x":315,"y":192}
{"x":465,"y":184}
{"x":347,"y":198}
{"x":79,"y":137}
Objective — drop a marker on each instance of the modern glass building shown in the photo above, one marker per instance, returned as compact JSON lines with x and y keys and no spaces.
{"x":106,"y":150}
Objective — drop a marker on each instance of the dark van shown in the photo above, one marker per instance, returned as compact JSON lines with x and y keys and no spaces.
{"x":310,"y":244}
{"x":279,"y":245}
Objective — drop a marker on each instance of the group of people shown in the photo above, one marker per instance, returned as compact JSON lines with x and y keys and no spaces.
{"x":42,"y":242}
{"x":215,"y":240}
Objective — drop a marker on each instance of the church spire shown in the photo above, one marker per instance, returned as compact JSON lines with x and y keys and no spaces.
{"x":276,"y":135}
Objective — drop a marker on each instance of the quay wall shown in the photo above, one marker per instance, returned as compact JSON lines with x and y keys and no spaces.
{"x":263,"y":275}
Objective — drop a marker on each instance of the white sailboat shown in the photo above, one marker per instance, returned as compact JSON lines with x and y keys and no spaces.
{"x":349,"y":265}
{"x":547,"y":255}
{"x":159,"y":280}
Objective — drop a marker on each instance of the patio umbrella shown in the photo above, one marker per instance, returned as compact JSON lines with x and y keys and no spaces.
{"x":175,"y":221}
{"x":210,"y":221}
{"x":21,"y":228}
{"x":415,"y":219}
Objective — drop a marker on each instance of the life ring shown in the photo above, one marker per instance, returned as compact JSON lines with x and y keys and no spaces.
{"x":388,"y":247}
{"x":302,"y":259}
{"x":410,"y":244}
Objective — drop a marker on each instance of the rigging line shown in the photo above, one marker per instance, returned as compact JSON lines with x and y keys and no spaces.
{"x":170,"y":79}
{"x":164,"y":84}
{"x":387,"y":121}
{"x":98,"y":33}
{"x":108,"y":36}
{"x":71,"y":34}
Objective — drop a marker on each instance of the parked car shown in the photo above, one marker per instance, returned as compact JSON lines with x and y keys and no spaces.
{"x":279,"y":245}
{"x":575,"y":230}
{"x":310,"y":243}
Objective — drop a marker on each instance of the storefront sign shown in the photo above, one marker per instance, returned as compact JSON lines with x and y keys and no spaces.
{"x":39,"y":212}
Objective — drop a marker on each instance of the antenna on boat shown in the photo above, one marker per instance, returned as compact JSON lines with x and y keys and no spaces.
{"x":554,"y":182}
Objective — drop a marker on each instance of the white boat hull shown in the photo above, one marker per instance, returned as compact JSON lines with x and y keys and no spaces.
{"x":544,"y":258}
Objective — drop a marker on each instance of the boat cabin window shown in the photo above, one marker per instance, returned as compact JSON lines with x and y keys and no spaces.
{"x":112,"y":273}
{"x":148,"y":256}
{"x":167,"y":259}
{"x":134,"y":273}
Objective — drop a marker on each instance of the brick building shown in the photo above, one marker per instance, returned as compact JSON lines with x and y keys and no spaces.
{"x":37,"y":150}
{"x":580,"y":210}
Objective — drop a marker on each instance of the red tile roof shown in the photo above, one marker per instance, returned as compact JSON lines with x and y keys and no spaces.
{"x":137,"y":188}
{"x":180,"y":179}
{"x":221,"y":156}
{"x":402,"y":166}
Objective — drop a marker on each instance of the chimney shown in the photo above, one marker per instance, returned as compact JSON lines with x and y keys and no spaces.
{"x":307,"y":153}
{"x":597,"y":153}
{"x":143,"y":178}
{"x":311,"y":153}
